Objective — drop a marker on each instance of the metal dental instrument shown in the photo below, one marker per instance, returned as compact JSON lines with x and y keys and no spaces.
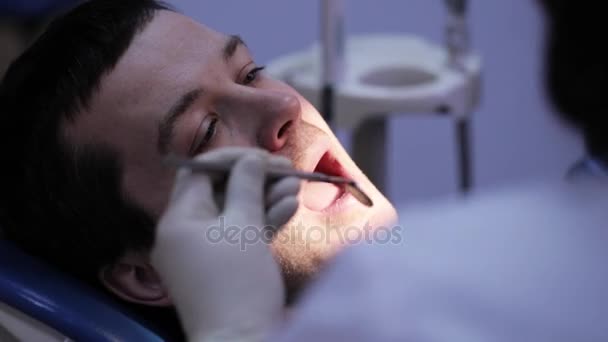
{"x":349,"y":185}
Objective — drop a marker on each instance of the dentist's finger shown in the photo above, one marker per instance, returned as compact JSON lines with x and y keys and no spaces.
{"x":289,"y":186}
{"x":276,"y":161}
{"x":227,"y":157}
{"x":192,"y":196}
{"x":245,"y":189}
{"x":280,"y":213}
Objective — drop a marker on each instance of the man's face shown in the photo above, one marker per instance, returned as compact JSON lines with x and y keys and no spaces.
{"x":184,"y":88}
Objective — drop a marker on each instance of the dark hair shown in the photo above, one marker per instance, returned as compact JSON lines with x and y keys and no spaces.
{"x":60,"y":202}
{"x":577,"y":68}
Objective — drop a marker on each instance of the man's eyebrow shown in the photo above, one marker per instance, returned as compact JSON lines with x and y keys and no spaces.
{"x":233,"y":42}
{"x":167,"y":124}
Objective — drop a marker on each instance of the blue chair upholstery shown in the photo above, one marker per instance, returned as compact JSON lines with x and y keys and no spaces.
{"x":64,"y":304}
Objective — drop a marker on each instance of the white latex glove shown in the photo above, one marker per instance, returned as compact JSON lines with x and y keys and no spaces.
{"x":225,"y":290}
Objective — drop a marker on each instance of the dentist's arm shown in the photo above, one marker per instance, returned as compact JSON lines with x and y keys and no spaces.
{"x":216,"y":262}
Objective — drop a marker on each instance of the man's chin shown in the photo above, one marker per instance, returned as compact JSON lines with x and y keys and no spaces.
{"x":305,"y":244}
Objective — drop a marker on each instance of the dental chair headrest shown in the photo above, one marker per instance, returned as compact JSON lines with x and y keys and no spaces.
{"x":64,"y":304}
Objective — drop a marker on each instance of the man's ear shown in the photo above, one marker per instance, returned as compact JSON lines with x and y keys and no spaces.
{"x":133,"y":279}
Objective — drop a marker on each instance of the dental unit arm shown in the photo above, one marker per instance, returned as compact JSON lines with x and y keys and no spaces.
{"x":360,"y":81}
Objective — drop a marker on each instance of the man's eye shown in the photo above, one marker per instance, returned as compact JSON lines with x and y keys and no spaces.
{"x":252,"y":75}
{"x":201,"y":142}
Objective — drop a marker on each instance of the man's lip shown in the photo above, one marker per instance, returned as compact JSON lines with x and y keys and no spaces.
{"x":322,"y":153}
{"x":318,"y":199}
{"x":339,"y":203}
{"x":314,"y":156}
{"x":330,"y":165}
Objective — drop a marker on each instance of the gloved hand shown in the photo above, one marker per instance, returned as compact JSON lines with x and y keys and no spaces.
{"x":224,"y":288}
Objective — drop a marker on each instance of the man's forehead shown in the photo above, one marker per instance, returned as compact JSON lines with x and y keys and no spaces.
{"x":172,"y":37}
{"x":170,"y":51}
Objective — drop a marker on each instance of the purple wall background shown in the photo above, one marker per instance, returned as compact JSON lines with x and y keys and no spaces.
{"x":516,"y":137}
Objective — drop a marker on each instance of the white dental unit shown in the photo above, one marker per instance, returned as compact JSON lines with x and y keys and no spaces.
{"x":358,"y":82}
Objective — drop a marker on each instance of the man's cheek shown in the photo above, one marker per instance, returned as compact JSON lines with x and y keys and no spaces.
{"x":312,"y":116}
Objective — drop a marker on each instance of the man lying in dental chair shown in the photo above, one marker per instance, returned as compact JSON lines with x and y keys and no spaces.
{"x":94,"y":105}
{"x":88,"y":186}
{"x":521,"y":264}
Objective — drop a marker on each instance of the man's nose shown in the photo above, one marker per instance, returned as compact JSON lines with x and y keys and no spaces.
{"x":280,"y":116}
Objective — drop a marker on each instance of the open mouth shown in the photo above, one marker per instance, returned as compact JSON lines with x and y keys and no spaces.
{"x":319,"y":196}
